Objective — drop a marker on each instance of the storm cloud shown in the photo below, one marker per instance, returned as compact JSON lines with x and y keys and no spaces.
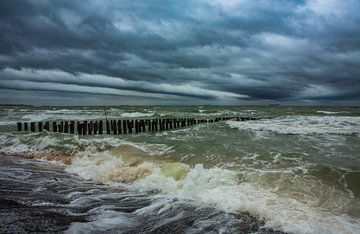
{"x":180,"y":52}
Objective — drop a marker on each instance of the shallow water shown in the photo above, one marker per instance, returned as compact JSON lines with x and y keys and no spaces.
{"x":298,"y":172}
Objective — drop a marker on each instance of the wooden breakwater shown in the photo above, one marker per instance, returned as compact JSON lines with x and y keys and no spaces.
{"x":120,"y":126}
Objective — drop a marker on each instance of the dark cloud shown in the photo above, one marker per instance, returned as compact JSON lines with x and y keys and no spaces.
{"x":220,"y":51}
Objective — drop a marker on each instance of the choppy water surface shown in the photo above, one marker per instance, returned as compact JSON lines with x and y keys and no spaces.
{"x":298,"y":172}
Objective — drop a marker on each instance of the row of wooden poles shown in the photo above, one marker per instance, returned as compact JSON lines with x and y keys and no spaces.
{"x":119,"y":126}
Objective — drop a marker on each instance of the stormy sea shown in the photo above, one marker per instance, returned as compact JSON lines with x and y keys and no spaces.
{"x":296,"y":172}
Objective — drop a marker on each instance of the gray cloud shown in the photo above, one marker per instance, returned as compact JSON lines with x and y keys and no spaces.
{"x":220,"y":51}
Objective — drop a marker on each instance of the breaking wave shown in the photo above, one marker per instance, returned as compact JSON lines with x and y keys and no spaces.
{"x":303,"y":125}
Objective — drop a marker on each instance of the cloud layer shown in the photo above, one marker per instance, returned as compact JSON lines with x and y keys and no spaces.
{"x":213,"y":52}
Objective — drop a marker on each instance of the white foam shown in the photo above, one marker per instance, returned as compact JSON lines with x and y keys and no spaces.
{"x":136,"y":114}
{"x":36,"y":117}
{"x":11,"y":144}
{"x":7,"y":122}
{"x":106,"y":221}
{"x":303,"y":125}
{"x":331,"y":112}
{"x":105,"y":168}
{"x":222,"y":189}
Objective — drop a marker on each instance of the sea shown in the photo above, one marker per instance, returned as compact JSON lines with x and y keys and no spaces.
{"x":296,"y":171}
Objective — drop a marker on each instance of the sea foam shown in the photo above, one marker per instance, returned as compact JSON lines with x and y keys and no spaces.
{"x":303,"y":125}
{"x":215,"y":187}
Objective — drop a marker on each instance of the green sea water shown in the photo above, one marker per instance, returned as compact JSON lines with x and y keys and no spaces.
{"x":299,"y":171}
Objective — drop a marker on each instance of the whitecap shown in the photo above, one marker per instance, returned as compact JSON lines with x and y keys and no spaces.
{"x":303,"y":125}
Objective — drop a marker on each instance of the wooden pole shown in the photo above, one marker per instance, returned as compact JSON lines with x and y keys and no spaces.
{"x":84,"y":128}
{"x":19,"y":126}
{"x":61,"y":127}
{"x":101,"y":127}
{"x":72,"y":127}
{"x":47,"y":126}
{"x":107,"y":127}
{"x":150,"y":125}
{"x":32,"y":127}
{"x":142,"y":124}
{"x":124,"y":126}
{"x":66,"y":127}
{"x":78,"y":127}
{"x":166,"y":124}
{"x":90,"y":127}
{"x":115,"y":127}
{"x":119,"y":126}
{"x":130,"y":125}
{"x":136,"y":126}
{"x":96,"y":127}
{"x":40,"y":125}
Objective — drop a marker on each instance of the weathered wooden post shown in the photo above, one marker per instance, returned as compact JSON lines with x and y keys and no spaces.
{"x":107,"y":127}
{"x":66,"y":127}
{"x":54,"y":127}
{"x":84,"y":128}
{"x":119,"y":126}
{"x":47,"y":126}
{"x":130,"y":125}
{"x":160,"y":125}
{"x":40,"y":125}
{"x":78,"y":127}
{"x":96,"y":127}
{"x":136,"y":126}
{"x":72,"y":127}
{"x":19,"y":126}
{"x":142,"y":124}
{"x":150,"y":125}
{"x":90,"y":127}
{"x":32,"y":127}
{"x":124,"y":126}
{"x":101,"y":127}
{"x":61,"y":127}
{"x":157,"y":126}
{"x":115,"y":127}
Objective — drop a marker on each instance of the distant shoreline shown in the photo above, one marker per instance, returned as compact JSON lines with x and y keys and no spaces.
{"x":15,"y":105}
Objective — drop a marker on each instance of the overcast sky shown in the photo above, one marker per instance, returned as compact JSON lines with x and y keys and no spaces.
{"x":95,"y":52}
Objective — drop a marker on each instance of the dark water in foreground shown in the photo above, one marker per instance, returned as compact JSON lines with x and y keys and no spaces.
{"x":298,"y":172}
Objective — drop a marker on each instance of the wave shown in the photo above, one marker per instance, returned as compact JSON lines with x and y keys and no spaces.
{"x":303,"y":125}
{"x":215,"y":187}
{"x":137,"y":114}
{"x":331,"y":112}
